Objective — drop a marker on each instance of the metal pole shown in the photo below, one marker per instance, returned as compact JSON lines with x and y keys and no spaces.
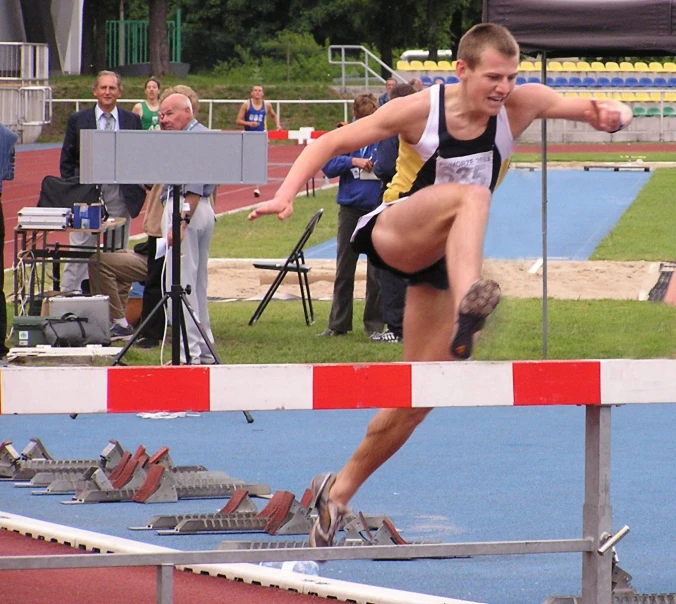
{"x":120,"y":60}
{"x":544,"y":218}
{"x":597,"y":512}
{"x":165,"y":584}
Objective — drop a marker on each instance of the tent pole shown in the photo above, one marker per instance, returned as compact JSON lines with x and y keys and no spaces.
{"x":544,"y":217}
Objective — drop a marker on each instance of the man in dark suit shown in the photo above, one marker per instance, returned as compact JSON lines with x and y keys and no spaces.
{"x":123,"y":201}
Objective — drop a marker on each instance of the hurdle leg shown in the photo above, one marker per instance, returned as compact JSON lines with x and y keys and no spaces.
{"x":597,"y":512}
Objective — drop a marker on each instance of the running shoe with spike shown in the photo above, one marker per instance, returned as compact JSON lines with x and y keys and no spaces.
{"x":479,"y":302}
{"x":330,"y":515}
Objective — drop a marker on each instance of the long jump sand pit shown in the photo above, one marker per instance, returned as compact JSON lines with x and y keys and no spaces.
{"x":587,"y":280}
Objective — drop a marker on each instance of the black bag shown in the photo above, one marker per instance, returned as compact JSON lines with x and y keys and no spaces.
{"x":58,"y":192}
{"x":73,"y":331}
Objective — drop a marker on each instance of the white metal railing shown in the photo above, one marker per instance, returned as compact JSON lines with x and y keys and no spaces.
{"x":359,"y":56}
{"x":24,"y":63}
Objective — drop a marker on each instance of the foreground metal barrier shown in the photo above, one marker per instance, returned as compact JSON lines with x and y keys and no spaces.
{"x":597,"y":385}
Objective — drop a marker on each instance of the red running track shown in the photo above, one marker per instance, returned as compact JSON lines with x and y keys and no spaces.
{"x":119,"y":585}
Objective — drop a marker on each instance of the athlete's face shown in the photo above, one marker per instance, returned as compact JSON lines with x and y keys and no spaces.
{"x":491,"y":81}
{"x":152,"y":91}
{"x":257,"y":92}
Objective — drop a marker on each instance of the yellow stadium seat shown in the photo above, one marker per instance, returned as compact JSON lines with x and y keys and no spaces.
{"x":453,"y":64}
{"x":526,"y":66}
{"x":586,"y":95}
{"x":417,"y":66}
{"x":403,"y":66}
{"x":628,"y":97}
{"x":430,"y":65}
{"x":655,"y":96}
{"x":597,"y":66}
{"x":538,"y":65}
{"x":571,"y":95}
{"x":612,"y":66}
{"x":601,"y":96}
{"x":444,"y":65}
{"x":670,"y":66}
{"x":641,"y":66}
{"x":656,"y":67}
{"x":627,"y":66}
{"x":642,"y":97}
{"x":569,"y":66}
{"x":616,"y":96}
{"x":670,"y":97}
{"x":554,"y":66}
{"x":584,"y":66}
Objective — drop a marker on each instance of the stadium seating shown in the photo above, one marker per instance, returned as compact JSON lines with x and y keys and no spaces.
{"x":627,"y":66}
{"x":660,"y":82}
{"x":655,"y":96}
{"x":631,"y":82}
{"x":444,"y":65}
{"x":643,"y":97}
{"x":669,"y":111}
{"x":569,"y":66}
{"x":656,"y":67}
{"x":670,"y":67}
{"x":452,"y":79}
{"x":430,"y":65}
{"x":653,"y":112}
{"x":575,"y":81}
{"x":597,"y":66}
{"x":589,"y":82}
{"x":426,"y":81}
{"x":584,"y":66}
{"x":641,"y":66}
{"x":416,"y":65}
{"x":671,"y":82}
{"x":612,"y":66}
{"x":639,"y":111}
{"x":616,"y":82}
{"x":646,"y":82}
{"x":670,"y":97}
{"x":403,"y":66}
{"x":526,"y":66}
{"x":554,"y":66}
{"x":520,"y":80}
{"x":601,"y":96}
{"x":558,"y":81}
{"x":603,"y":82}
{"x":534,"y":80}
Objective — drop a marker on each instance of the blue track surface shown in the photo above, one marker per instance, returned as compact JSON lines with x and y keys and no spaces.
{"x":475,"y":474}
{"x":582,"y":209}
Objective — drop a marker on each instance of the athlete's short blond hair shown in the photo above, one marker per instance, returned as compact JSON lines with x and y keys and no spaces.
{"x":486,"y":35}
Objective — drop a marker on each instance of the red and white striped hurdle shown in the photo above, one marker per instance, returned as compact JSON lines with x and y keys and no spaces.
{"x":33,"y":390}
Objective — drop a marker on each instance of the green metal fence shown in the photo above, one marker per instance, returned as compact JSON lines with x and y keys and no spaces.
{"x":127,"y":42}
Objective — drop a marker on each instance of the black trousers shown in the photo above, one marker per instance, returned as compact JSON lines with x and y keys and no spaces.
{"x":392,"y":300}
{"x":152,"y":293}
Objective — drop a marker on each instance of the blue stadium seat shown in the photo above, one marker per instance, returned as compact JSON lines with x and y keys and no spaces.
{"x":616,"y":82}
{"x":646,"y":82}
{"x":558,"y":81}
{"x":603,"y":82}
{"x":537,"y":80}
{"x":452,"y":79}
{"x":520,"y":80}
{"x":671,"y":82}
{"x":660,"y":81}
{"x":426,"y":81}
{"x":575,"y":81}
{"x":631,"y":82}
{"x":589,"y":82}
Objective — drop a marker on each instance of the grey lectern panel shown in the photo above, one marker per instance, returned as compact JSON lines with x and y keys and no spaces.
{"x":183,"y":157}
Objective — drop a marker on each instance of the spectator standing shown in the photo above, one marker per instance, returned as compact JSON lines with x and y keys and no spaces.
{"x":7,"y":141}
{"x":253,"y":116}
{"x":149,"y":110}
{"x":385,"y":96}
{"x":392,"y":285}
{"x":358,"y":194}
{"x":121,"y":201}
{"x":197,"y":229}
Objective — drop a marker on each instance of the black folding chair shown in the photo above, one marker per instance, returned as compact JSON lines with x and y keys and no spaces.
{"x":295,"y":263}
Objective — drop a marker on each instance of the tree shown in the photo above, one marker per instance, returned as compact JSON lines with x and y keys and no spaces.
{"x":158,"y":45}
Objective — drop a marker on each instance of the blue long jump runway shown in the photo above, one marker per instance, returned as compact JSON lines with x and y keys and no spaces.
{"x":474,"y":474}
{"x":582,"y":208}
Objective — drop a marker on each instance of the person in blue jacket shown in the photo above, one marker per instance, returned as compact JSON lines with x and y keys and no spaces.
{"x":7,"y":141}
{"x":358,"y":194}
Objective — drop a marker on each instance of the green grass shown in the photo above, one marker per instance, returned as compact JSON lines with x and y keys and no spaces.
{"x":647,"y":230}
{"x":611,"y":153}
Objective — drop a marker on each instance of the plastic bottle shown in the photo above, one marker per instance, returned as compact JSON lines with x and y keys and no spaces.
{"x":305,"y":567}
